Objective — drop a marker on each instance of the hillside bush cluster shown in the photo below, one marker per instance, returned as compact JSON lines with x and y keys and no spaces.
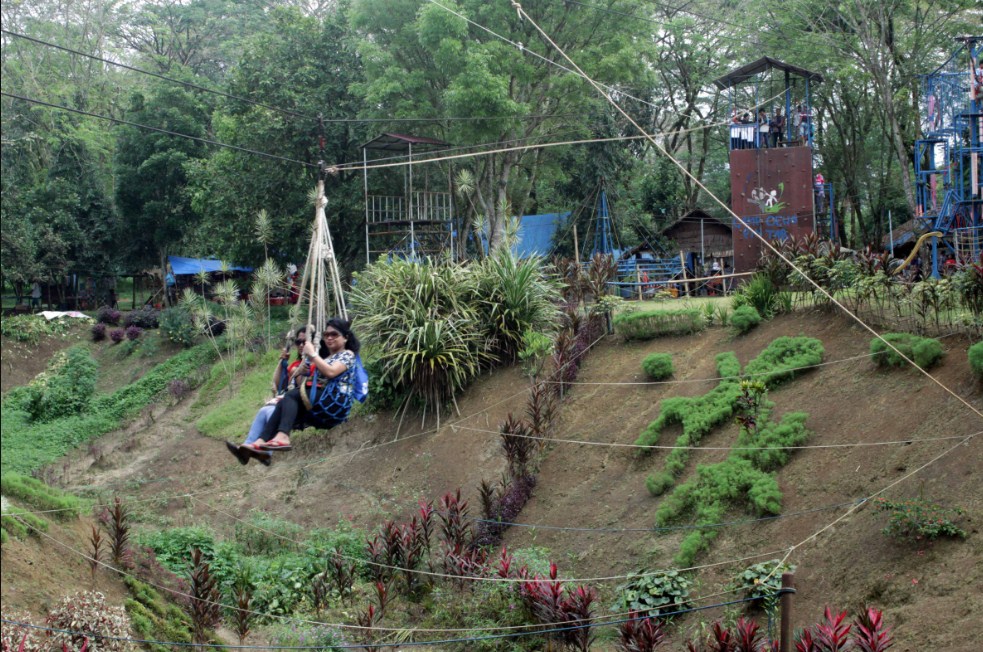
{"x":436,"y":324}
{"x":63,"y":389}
{"x":178,"y":327}
{"x":27,"y":445}
{"x":975,"y":354}
{"x":744,"y":319}
{"x":87,"y":611}
{"x":647,"y":324}
{"x":745,"y":476}
{"x":919,"y":519}
{"x":654,"y":594}
{"x":924,"y":351}
{"x":760,"y":294}
{"x":31,"y":328}
{"x":658,"y":366}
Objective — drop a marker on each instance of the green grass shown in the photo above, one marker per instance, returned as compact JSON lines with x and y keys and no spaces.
{"x":39,"y":495}
{"x":230,"y":417}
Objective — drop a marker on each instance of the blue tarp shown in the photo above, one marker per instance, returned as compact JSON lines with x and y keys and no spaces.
{"x":536,"y":233}
{"x":185,"y":266}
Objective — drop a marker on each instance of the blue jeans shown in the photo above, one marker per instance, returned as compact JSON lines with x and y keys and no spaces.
{"x":259,"y":423}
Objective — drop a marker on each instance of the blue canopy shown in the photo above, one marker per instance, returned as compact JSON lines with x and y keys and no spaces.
{"x":187,"y":266}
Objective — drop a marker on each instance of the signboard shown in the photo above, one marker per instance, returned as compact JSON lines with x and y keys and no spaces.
{"x":772,"y":191}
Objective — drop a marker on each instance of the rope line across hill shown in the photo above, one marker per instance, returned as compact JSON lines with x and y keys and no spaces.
{"x":374,"y":644}
{"x":307,"y":621}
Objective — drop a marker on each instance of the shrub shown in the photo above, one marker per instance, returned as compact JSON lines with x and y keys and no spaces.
{"x":107,"y":315}
{"x":919,"y":519}
{"x":21,"y":522}
{"x":658,"y":366}
{"x":744,"y":319}
{"x":12,"y":636}
{"x":117,"y":335}
{"x":784,"y":359}
{"x":654,"y":594}
{"x":759,"y":293}
{"x":98,"y":332}
{"x":146,"y":317}
{"x":976,"y":359}
{"x":87,"y":611}
{"x":133,"y":332}
{"x":62,"y":390}
{"x":173,"y":546}
{"x":314,"y":637}
{"x":178,"y":327}
{"x":30,"y":328}
{"x":762,"y":582}
{"x":39,"y":495}
{"x":924,"y":351}
{"x":647,"y":324}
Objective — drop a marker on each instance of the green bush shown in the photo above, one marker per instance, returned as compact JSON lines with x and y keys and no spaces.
{"x":261,"y":534}
{"x":21,"y":522}
{"x":924,"y":351}
{"x":744,"y":319}
{"x":976,"y":359}
{"x":39,"y":495}
{"x":658,"y":366}
{"x":178,"y":327}
{"x":173,"y":546}
{"x":62,"y":390}
{"x":31,"y":328}
{"x":763,"y":581}
{"x":654,"y":594}
{"x":784,"y":359}
{"x":759,"y":293}
{"x":918,"y":519}
{"x":647,"y":324}
{"x":153,"y":618}
{"x":311,"y":636}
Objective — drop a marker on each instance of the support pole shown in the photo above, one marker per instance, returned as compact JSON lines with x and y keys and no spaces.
{"x":682,"y":259}
{"x":890,"y":228}
{"x":786,"y":644}
{"x":576,"y":246}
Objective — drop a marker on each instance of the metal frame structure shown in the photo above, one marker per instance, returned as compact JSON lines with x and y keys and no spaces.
{"x":948,"y":157}
{"x":414,"y":224}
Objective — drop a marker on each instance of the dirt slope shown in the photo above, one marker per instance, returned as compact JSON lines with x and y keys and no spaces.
{"x":357,"y":471}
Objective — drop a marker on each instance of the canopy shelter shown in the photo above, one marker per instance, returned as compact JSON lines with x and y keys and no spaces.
{"x":750,"y":70}
{"x":181,"y":266}
{"x":404,"y":143}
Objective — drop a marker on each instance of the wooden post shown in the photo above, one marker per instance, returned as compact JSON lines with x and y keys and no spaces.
{"x":576,"y":246}
{"x":788,"y":587}
{"x":638,"y":279}
{"x":682,"y":259}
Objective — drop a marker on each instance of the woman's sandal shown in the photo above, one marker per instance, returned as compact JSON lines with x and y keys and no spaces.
{"x":274,"y":445}
{"x":239,"y":452}
{"x":252,"y":451}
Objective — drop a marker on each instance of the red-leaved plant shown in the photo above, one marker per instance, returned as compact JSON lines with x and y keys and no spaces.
{"x":640,"y":633}
{"x":870,"y":634}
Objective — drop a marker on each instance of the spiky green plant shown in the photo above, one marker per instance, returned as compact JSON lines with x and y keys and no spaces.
{"x":514,"y":296}
{"x":430,"y":337}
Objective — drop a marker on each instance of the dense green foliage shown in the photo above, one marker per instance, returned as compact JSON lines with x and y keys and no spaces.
{"x":975,"y":354}
{"x":745,"y":477}
{"x":923,"y":351}
{"x":654,"y":594}
{"x":277,"y":565}
{"x":435,"y":324}
{"x":177,"y":326}
{"x":39,"y":495}
{"x":918,"y":520}
{"x":62,"y":390}
{"x":31,"y":328}
{"x":760,"y":294}
{"x":28,"y":446}
{"x":658,"y":366}
{"x":154,"y":618}
{"x":647,"y":324}
{"x":744,"y":319}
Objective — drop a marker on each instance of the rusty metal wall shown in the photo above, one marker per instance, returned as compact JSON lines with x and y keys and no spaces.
{"x":772,"y":190}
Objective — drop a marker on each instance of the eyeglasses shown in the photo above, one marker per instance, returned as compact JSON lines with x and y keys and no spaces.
{"x":331,"y":334}
{"x":299,"y":341}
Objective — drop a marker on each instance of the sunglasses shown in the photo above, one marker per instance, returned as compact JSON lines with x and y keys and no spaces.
{"x":299,"y":341}
{"x":331,"y":334}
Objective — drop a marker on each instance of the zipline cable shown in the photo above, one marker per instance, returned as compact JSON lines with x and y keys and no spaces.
{"x":157,"y":129}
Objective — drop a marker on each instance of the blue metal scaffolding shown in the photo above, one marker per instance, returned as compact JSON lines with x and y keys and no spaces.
{"x":948,"y":188}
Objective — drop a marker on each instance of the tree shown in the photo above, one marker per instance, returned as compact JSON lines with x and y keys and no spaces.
{"x":152,"y":171}
{"x":421,"y":59}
